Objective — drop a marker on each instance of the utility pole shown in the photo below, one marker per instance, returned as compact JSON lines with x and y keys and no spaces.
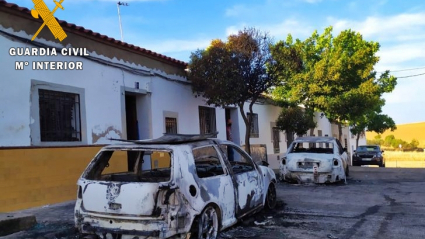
{"x":119,"y":16}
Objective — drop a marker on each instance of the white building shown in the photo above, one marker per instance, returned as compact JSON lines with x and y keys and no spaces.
{"x":52,"y":122}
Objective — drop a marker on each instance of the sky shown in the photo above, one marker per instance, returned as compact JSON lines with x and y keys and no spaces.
{"x":176,"y":28}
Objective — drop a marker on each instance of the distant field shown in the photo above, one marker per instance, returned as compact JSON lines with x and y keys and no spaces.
{"x":396,"y":159}
{"x":406,"y":132}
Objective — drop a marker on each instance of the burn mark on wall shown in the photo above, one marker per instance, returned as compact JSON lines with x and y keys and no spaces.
{"x":99,"y":135}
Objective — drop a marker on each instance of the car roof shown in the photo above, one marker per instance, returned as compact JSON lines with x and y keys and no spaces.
{"x":315,"y":139}
{"x":167,"y":141}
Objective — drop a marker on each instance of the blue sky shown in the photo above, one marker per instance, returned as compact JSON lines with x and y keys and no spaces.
{"x":178,"y":27}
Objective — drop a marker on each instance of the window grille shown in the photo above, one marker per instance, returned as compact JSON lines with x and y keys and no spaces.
{"x":207,"y":120}
{"x":170,"y":125}
{"x":59,"y":116}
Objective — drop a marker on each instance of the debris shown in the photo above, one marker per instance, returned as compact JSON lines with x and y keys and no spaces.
{"x":261,"y":223}
{"x":238,"y":232}
{"x":330,"y":236}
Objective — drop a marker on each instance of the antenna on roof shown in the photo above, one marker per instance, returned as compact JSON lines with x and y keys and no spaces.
{"x":119,"y":16}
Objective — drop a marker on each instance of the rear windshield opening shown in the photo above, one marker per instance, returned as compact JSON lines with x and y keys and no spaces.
{"x":131,"y":166}
{"x":313,"y":147}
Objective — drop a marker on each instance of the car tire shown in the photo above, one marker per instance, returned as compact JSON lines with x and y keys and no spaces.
{"x":207,"y":224}
{"x":271,"y":201}
{"x":347,"y":171}
{"x":382,"y":165}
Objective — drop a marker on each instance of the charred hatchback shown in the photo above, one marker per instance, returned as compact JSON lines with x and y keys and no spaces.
{"x":368,"y":155}
{"x":179,"y":186}
{"x":315,"y":160}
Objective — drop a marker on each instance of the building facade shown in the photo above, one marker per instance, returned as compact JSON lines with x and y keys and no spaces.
{"x":52,"y":122}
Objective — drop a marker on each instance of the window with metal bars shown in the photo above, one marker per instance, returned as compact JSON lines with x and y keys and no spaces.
{"x":255,"y":132}
{"x":207,"y":122}
{"x":170,"y":125}
{"x":59,"y":116}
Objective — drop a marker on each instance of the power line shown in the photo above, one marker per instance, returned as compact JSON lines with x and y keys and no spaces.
{"x":410,"y":76}
{"x":409,"y":69}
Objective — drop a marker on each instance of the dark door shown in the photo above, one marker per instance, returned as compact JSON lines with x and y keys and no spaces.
{"x":132,"y":127}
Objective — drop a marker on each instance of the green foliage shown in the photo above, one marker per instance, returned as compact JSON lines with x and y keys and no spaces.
{"x":295,"y":120}
{"x":391,"y":141}
{"x":334,"y":75}
{"x":234,"y":72}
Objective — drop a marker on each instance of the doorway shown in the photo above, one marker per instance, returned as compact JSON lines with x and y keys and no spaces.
{"x":132,"y":127}
{"x":232,"y":114}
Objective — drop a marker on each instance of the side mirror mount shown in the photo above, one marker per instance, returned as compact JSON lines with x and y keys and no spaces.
{"x":382,"y":151}
{"x":262,"y":163}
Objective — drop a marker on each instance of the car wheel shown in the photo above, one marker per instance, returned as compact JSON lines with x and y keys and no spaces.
{"x":207,"y":224}
{"x":382,"y":165}
{"x":347,"y":171}
{"x":271,"y":197}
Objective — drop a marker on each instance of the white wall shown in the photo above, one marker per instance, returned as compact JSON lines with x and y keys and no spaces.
{"x":176,"y":97}
{"x":102,"y":94}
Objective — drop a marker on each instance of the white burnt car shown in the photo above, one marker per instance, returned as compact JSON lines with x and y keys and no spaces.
{"x":314,"y":160}
{"x":180,"y":186}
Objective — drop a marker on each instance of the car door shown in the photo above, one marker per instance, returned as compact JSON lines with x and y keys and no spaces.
{"x":247,"y":179}
{"x":342,"y":153}
{"x":215,"y":181}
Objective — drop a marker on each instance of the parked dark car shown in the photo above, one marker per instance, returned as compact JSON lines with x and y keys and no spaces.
{"x":368,"y":155}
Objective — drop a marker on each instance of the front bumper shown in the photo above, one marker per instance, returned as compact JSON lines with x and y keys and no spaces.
{"x":368,"y":161}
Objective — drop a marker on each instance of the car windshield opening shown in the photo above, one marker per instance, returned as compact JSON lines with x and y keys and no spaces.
{"x":317,"y":147}
{"x":131,"y":166}
{"x":367,"y":148}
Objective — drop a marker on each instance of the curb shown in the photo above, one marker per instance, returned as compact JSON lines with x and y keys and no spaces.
{"x":12,"y":222}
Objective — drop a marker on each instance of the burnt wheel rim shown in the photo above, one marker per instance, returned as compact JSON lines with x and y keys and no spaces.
{"x":208,"y":224}
{"x":271,"y":196}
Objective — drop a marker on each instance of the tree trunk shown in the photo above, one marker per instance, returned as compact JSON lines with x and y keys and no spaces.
{"x":357,"y":140}
{"x":247,"y":122}
{"x":339,"y":132}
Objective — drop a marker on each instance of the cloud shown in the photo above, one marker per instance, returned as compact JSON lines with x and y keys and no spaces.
{"x":237,"y":10}
{"x":390,"y":28}
{"x":400,"y":53}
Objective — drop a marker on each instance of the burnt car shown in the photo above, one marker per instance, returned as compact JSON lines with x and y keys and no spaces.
{"x":176,"y":186}
{"x":368,"y":155}
{"x":314,"y":160}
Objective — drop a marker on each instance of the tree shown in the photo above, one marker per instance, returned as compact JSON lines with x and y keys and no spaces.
{"x":296,"y":66}
{"x":294,"y":120}
{"x":234,"y":72}
{"x":378,"y":123}
{"x":335,"y":75}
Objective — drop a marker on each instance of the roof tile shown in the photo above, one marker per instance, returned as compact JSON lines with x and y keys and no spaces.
{"x":98,"y":35}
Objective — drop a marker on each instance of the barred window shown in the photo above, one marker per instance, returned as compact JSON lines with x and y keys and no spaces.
{"x":59,"y":116}
{"x":207,"y":123}
{"x":255,"y":133}
{"x":170,"y":125}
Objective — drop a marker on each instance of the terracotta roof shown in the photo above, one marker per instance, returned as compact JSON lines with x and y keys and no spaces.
{"x":101,"y":37}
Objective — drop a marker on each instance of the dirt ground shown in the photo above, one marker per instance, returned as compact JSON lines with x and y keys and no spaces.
{"x":386,"y":203}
